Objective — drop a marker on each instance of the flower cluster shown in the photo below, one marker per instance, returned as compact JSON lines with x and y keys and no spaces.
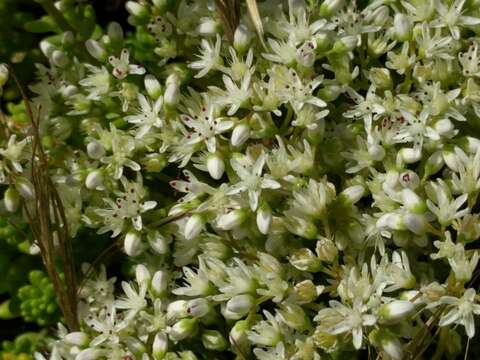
{"x":303,"y":192}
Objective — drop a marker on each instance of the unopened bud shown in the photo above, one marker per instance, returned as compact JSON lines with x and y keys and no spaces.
{"x":353,"y":194}
{"x":77,"y":338}
{"x":183,"y":329}
{"x":264,"y":219}
{"x":198,"y":307}
{"x":238,"y":306}
{"x":60,"y":59}
{"x":194,"y":226}
{"x":160,"y":346}
{"x":402,"y":27}
{"x":153,"y":87}
{"x":96,"y":49}
{"x":115,"y":32}
{"x":3,"y":74}
{"x":412,"y":201}
{"x":132,"y":244}
{"x":232,"y":219}
{"x":240,"y":134}
{"x":94,"y":180}
{"x":305,"y":260}
{"x":396,"y":310}
{"x":25,"y":188}
{"x":214,"y":340}
{"x":142,"y":274}
{"x":136,"y":9}
{"x":159,"y":282}
{"x":326,"y":250}
{"x":242,"y":38}
{"x":330,"y":7}
{"x":215,"y":166}
{"x":172,"y":92}
{"x":11,"y":199}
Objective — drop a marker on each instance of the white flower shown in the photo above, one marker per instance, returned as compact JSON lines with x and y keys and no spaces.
{"x":134,"y":301}
{"x":147,"y":115}
{"x":97,"y":83}
{"x":122,"y":67}
{"x":267,"y":332}
{"x":353,"y":319}
{"x":210,"y":58}
{"x":251,"y":180}
{"x":461,"y":311}
{"x":440,"y":203}
{"x":234,"y":96}
{"x":452,"y":17}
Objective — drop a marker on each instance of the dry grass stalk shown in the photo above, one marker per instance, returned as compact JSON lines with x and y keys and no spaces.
{"x":49,"y":225}
{"x":256,"y":19}
{"x":229,"y":12}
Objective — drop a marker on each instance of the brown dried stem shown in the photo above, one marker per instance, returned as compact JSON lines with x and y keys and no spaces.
{"x":48,"y":223}
{"x":229,"y":12}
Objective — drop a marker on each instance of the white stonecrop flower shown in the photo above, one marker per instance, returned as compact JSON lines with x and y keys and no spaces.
{"x":460,"y":311}
{"x":209,"y":59}
{"x":147,"y":116}
{"x":251,"y":180}
{"x":122,"y":67}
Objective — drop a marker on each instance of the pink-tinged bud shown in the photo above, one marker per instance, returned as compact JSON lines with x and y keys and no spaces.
{"x":238,"y":306}
{"x":96,"y":49}
{"x":240,"y":134}
{"x":194,"y":226}
{"x":215,"y":166}
{"x":198,"y":307}
{"x":264,"y":219}
{"x":132,"y":244}
{"x":396,"y":310}
{"x":159,"y":282}
{"x":160,"y":346}
{"x":232,"y":219}
{"x":214,"y":340}
{"x":183,"y":329}
{"x":409,"y":179}
{"x":11,"y":199}
{"x":142,"y":274}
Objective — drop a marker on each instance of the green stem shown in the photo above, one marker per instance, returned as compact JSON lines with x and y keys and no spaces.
{"x":56,"y":15}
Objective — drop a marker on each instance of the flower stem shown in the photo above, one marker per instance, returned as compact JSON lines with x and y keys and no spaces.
{"x":56,"y":15}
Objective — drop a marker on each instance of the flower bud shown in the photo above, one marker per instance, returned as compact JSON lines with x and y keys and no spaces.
{"x":232,"y":219}
{"x":142,"y":274}
{"x":158,"y":242}
{"x":153,"y":87}
{"x":396,"y":310}
{"x":132,"y":244}
{"x":25,"y":188}
{"x":416,"y":223}
{"x":377,"y":152}
{"x":177,"y":309}
{"x":208,"y":27}
{"x":136,"y":9}
{"x":450,"y":159}
{"x":159,"y":282}
{"x":412,"y":201}
{"x":444,"y":127}
{"x":11,"y":199}
{"x":3,"y":74}
{"x":409,"y":155}
{"x":326,"y":250}
{"x":409,"y":179}
{"x":77,"y":338}
{"x":380,"y":16}
{"x":238,"y":334}
{"x":96,"y":49}
{"x":392,"y":221}
{"x":215,"y":166}
{"x":172,"y":92}
{"x":160,"y":4}
{"x":159,"y":346}
{"x":47,"y":48}
{"x":402,"y":27}
{"x":240,"y":134}
{"x":238,"y":306}
{"x":183,"y":329}
{"x":264,"y":219}
{"x":242,"y":38}
{"x":329,"y":7}
{"x":115,"y":32}
{"x":136,"y":346}
{"x":214,"y":340}
{"x":305,"y":54}
{"x":198,"y":307}
{"x":380,"y":77}
{"x":434,"y":163}
{"x":305,"y":260}
{"x":353,"y":194}
{"x":306,"y":292}
{"x":94,"y":180}
{"x":60,"y":59}
{"x":194,"y":226}
{"x":385,"y":340}
{"x":90,"y":354}
{"x":293,"y":315}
